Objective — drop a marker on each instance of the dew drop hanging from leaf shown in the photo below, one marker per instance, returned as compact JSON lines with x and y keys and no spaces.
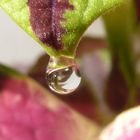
{"x":63,"y":75}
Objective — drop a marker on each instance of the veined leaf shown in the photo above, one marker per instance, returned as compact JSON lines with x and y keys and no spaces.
{"x":57,"y":24}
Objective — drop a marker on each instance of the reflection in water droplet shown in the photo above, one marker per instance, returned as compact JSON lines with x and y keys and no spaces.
{"x":63,"y":80}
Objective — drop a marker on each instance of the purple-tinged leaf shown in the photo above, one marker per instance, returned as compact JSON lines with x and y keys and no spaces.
{"x":46,"y":17}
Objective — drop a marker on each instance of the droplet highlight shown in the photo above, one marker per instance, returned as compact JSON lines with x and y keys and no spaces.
{"x":63,"y":80}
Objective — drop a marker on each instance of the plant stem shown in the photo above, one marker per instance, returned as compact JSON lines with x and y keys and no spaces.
{"x":119,"y":26}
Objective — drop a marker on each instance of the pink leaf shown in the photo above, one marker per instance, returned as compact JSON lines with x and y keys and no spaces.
{"x":29,"y":112}
{"x":125,"y":127}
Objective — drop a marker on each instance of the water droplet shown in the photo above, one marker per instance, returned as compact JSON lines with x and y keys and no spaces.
{"x":63,"y":80}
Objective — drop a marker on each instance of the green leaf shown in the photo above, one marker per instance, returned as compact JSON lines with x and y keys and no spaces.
{"x":6,"y":71}
{"x":76,"y":21}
